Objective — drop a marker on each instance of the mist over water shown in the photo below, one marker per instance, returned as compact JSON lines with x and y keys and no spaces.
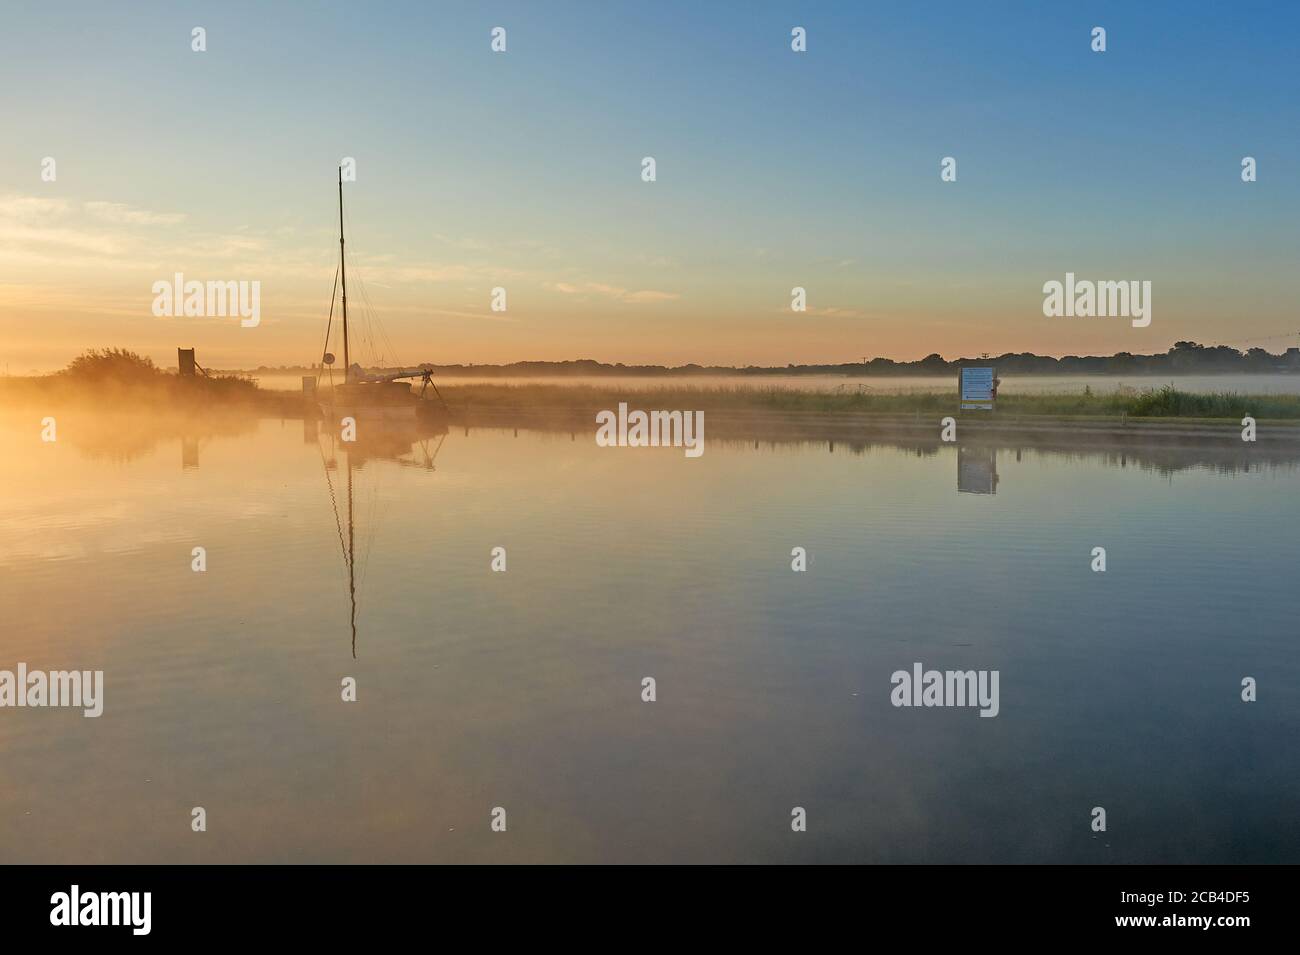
{"x":522,"y":689}
{"x":1253,"y":384}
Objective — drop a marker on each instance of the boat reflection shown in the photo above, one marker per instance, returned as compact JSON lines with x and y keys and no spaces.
{"x":414,"y":444}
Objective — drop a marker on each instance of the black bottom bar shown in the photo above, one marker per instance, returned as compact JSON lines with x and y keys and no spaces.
{"x":333,"y":904}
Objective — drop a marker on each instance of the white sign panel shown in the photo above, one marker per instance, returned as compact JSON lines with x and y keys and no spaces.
{"x":977,"y":389}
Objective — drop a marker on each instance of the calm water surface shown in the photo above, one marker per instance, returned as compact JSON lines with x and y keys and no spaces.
{"x":522,"y":689}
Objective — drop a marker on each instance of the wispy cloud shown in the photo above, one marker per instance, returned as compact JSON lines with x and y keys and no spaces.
{"x":36,"y":230}
{"x":834,"y":312}
{"x":614,"y":292}
{"x":120,"y":213}
{"x":647,"y":295}
{"x":20,"y":240}
{"x":462,"y":242}
{"x":31,"y":208}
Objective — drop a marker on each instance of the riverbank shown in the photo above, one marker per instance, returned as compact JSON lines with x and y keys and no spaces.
{"x":972,"y":428}
{"x":1165,"y":416}
{"x":1161,"y":415}
{"x":1155,"y":404}
{"x":160,"y":392}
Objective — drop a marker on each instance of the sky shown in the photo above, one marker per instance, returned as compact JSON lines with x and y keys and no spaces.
{"x":522,"y":170}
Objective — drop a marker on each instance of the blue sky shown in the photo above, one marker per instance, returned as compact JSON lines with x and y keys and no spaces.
{"x":775,"y":169}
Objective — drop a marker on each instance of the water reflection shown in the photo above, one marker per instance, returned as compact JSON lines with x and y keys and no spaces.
{"x":1166,"y":448}
{"x":124,"y":437}
{"x":977,"y":470}
{"x":408,"y":445}
{"x":634,"y":562}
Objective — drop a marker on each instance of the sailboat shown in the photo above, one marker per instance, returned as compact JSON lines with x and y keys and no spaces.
{"x":362,"y":395}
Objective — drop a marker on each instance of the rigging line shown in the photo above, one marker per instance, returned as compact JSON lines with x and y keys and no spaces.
{"x":378,"y":328}
{"x":381,"y":328}
{"x":387,"y":357}
{"x":376,"y":510}
{"x":374,"y":331}
{"x":360,"y":573}
{"x":333,"y":295}
{"x":366,"y":507}
{"x":338,"y":521}
{"x":378,"y":337}
{"x":375,"y":356}
{"x":366,"y":332}
{"x":376,"y":516}
{"x":367,"y":314}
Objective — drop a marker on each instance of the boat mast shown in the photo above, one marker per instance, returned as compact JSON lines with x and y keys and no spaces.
{"x":347,"y":360}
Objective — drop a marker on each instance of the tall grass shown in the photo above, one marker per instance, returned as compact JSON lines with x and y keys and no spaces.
{"x":1166,"y":402}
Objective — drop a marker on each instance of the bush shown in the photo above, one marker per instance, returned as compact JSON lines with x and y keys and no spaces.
{"x":112,"y":364}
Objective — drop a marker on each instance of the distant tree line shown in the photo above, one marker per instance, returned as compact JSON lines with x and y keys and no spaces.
{"x":1184,"y":358}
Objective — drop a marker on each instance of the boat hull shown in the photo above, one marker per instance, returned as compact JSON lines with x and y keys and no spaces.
{"x":371,"y":401}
